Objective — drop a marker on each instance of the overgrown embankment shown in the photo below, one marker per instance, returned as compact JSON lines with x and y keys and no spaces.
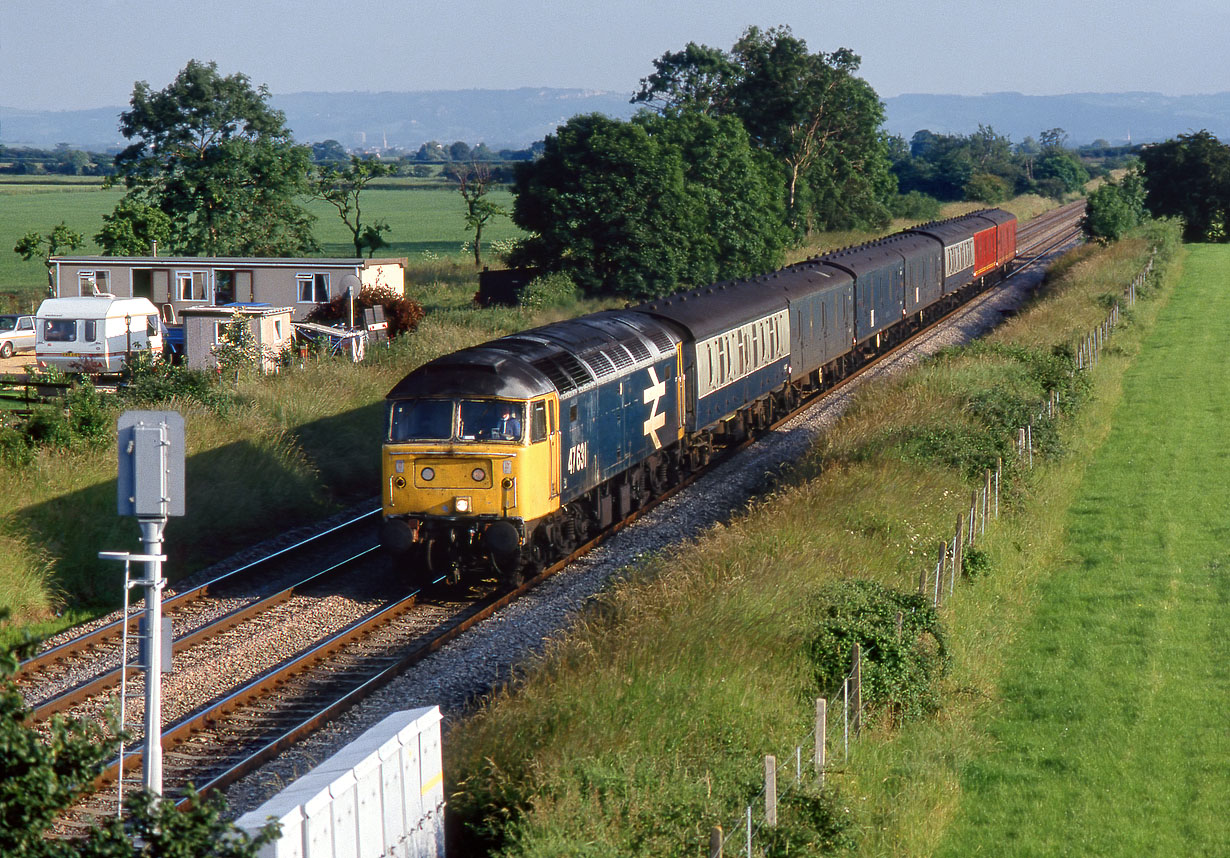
{"x":646,"y":725}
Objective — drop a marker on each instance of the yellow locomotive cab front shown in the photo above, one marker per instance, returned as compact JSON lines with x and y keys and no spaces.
{"x":467,"y":477}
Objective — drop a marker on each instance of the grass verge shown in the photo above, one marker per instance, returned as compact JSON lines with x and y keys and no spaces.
{"x":644,"y":726}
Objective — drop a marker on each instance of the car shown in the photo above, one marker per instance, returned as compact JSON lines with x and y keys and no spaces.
{"x":16,"y":334}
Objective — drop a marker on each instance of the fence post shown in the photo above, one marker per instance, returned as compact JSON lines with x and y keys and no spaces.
{"x":1030,"y":438}
{"x":715,"y":842}
{"x":958,"y":551}
{"x":858,"y":688}
{"x":822,"y":727}
{"x":973,"y":512}
{"x":845,"y":717}
{"x":986,"y":500}
{"x":749,"y":831}
{"x":770,"y":790}
{"x":900,"y":622}
{"x":999,"y":470}
{"x":939,"y":574}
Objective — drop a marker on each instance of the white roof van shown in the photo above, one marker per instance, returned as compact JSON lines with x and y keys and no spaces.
{"x":94,"y":334}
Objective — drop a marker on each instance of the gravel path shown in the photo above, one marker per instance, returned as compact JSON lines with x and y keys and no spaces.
{"x":485,"y":656}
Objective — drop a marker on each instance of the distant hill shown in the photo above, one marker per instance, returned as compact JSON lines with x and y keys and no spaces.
{"x":1144,"y":116}
{"x":515,"y":118}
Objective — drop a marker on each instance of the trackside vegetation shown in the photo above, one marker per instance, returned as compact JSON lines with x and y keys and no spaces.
{"x":645,"y":725}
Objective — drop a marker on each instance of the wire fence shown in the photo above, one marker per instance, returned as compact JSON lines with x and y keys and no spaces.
{"x":936,"y":582}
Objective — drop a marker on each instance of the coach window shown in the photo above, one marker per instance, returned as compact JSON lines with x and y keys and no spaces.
{"x":91,"y":331}
{"x":538,"y":423}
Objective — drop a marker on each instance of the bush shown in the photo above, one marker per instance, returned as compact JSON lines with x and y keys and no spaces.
{"x":549,"y":290}
{"x":149,"y":379}
{"x":987,"y":188}
{"x":16,"y":449}
{"x":403,"y":314}
{"x":899,"y":673}
{"x":915,"y":206}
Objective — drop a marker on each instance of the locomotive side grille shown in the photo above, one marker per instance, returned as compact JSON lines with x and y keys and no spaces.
{"x":601,"y":365}
{"x":637,"y":347}
{"x":620,"y":356}
{"x":662,"y":340}
{"x":559,"y":377}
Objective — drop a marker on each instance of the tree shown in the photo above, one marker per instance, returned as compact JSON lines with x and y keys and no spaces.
{"x":33,"y":245}
{"x":213,"y":156}
{"x":736,"y":189}
{"x":606,"y":204}
{"x":459,"y":151}
{"x":1114,"y":208}
{"x":329,"y":151}
{"x":1189,"y":178}
{"x":808,"y":110}
{"x":341,"y":188}
{"x":133,"y":228}
{"x":697,"y":78}
{"x":640,"y":208}
{"x":474,"y":181}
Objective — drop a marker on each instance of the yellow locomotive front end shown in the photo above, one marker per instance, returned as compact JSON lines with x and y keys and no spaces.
{"x":466,"y":479}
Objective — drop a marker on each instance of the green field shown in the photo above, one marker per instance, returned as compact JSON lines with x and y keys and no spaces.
{"x":1112,"y":736}
{"x":423,"y":221}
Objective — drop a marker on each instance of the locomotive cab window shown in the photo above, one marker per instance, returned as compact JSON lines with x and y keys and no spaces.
{"x":491,"y":420}
{"x":538,"y":423}
{"x":421,"y":419}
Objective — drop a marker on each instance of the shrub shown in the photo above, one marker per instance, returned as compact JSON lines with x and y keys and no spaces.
{"x":403,"y":314}
{"x":915,"y":206}
{"x":148,"y":379}
{"x":549,"y":290}
{"x":899,"y":672}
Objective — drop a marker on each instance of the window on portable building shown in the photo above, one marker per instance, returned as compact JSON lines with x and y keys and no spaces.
{"x":190,"y":285}
{"x":313,"y":288}
{"x":93,"y":282}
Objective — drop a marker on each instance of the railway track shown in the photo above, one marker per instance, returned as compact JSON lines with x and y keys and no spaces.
{"x":216,"y":744}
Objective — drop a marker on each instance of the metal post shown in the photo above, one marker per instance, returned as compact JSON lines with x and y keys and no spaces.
{"x":821,"y":735}
{"x":151,"y":539}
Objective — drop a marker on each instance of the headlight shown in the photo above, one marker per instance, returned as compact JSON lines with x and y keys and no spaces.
{"x":478,"y":474}
{"x":463,"y":505}
{"x":428,"y":474}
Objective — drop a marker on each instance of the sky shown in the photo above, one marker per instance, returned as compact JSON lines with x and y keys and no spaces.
{"x":78,"y":54}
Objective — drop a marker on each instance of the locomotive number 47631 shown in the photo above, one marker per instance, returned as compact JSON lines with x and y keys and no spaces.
{"x":577,"y":456}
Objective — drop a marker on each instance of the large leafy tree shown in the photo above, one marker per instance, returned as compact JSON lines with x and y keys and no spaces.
{"x":735,"y":188}
{"x":133,"y":229}
{"x":1115,"y":207}
{"x":1189,"y":178}
{"x":809,"y":110}
{"x":606,"y":204}
{"x":215,"y":158}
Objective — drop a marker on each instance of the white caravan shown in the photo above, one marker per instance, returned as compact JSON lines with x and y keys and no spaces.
{"x":95,"y":334}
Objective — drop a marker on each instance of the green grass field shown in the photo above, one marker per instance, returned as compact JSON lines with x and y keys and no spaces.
{"x":425,"y":222}
{"x":1112,"y":735}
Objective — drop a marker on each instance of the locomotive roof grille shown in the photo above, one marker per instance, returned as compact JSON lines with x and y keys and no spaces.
{"x":637,"y":347}
{"x":620,"y":356}
{"x":599,"y":364}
